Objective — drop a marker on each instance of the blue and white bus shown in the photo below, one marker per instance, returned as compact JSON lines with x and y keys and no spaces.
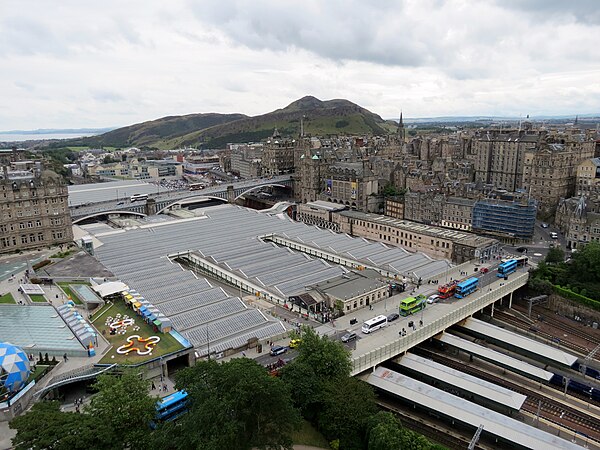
{"x":170,"y":408}
{"x":466,"y":287}
{"x":506,"y":268}
{"x":374,"y":324}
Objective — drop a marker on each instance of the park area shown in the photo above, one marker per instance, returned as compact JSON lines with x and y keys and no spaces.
{"x":7,"y":298}
{"x":119,"y":312}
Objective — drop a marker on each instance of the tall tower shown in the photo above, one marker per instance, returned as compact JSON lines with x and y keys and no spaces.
{"x":401,"y":130}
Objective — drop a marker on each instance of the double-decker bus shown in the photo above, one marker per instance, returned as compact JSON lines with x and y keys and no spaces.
{"x":412,"y":305}
{"x":466,"y":287}
{"x":170,"y":408}
{"x":447,"y":290}
{"x":374,"y":324}
{"x":507,"y":267}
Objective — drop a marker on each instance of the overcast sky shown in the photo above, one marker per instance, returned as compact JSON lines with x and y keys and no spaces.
{"x":74,"y":63}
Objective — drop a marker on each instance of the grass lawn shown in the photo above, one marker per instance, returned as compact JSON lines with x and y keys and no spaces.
{"x":39,"y":369}
{"x":166,"y":345}
{"x":7,"y":298}
{"x":308,"y":435}
{"x":64,"y":285}
{"x":38,"y":298}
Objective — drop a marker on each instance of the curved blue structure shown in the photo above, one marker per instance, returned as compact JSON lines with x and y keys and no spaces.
{"x":14,"y":367}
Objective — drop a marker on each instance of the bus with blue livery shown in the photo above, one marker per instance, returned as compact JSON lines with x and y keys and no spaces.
{"x":412,"y":305}
{"x":170,"y":408}
{"x":466,"y":287}
{"x":506,"y":268}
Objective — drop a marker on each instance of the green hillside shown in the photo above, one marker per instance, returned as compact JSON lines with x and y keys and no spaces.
{"x":322,"y":118}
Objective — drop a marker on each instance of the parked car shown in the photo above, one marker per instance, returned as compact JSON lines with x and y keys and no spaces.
{"x":349,"y":337}
{"x":295,"y":343}
{"x":393,"y":317}
{"x":484,"y":270}
{"x":278,"y":350}
{"x":554,"y":235}
{"x":433,"y":299}
{"x":522,"y":249}
{"x":544,"y":225}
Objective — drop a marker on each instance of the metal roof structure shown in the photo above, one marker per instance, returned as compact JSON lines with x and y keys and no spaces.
{"x":82,"y":194}
{"x":38,"y":328}
{"x":518,"y":341}
{"x":227,"y":236}
{"x":466,"y":412}
{"x":495,"y":357}
{"x":463,"y":381}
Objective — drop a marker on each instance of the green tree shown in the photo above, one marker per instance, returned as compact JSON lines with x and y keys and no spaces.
{"x":347,"y":405}
{"x":46,"y":426}
{"x":555,"y":255}
{"x":124,"y":405}
{"x":233,"y":405}
{"x":585,"y":265}
{"x":385,"y":432}
{"x":328,"y":358}
{"x":305,"y":388}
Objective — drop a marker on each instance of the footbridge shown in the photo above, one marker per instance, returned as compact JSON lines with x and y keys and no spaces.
{"x":160,"y":201}
{"x":385,"y":344}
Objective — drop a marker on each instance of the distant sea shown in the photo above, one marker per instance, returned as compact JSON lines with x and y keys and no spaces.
{"x":41,"y":137}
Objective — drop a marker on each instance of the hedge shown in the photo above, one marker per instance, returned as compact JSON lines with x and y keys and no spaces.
{"x":568,"y":293}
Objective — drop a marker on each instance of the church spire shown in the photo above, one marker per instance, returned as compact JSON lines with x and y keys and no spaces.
{"x":401,"y":130}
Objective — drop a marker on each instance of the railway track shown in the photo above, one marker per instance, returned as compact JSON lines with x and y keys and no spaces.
{"x":451,"y":441}
{"x":550,"y":409}
{"x":519,"y":323}
{"x":591,"y":335}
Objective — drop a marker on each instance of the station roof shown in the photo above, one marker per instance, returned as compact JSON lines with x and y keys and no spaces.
{"x":228,"y":236}
{"x":496,"y":357}
{"x":112,"y":190}
{"x":463,"y":381}
{"x":518,"y":341}
{"x":466,"y":412}
{"x":36,"y":329}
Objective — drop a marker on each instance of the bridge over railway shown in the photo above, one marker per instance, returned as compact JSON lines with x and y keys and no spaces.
{"x":386,"y":344}
{"x":158,"y":202}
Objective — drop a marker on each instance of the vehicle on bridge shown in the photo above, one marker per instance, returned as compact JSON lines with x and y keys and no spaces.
{"x":506,"y":268}
{"x":170,"y":408}
{"x":197,"y":186}
{"x":447,"y":290}
{"x":374,"y":324}
{"x":136,"y":197}
{"x":466,"y":287}
{"x":412,"y":305}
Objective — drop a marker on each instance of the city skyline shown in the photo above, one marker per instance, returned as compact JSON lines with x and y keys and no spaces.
{"x":91,"y":65}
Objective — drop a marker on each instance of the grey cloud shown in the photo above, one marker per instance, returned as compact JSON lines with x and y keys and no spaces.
{"x":584,"y":11}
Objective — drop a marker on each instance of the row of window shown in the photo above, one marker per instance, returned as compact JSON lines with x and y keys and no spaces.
{"x":364,"y":301}
{"x":35,"y":212}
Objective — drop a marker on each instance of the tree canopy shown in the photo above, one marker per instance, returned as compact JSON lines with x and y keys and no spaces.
{"x":235,"y":404}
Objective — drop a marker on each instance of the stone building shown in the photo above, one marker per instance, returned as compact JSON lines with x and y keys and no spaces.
{"x":319,"y":213}
{"x":278,"y":156}
{"x":33,"y":210}
{"x":579,"y":221}
{"x":436,"y":242}
{"x":394,"y":207}
{"x":550,"y":171}
{"x":8,"y":155}
{"x":353,"y":184}
{"x":588,"y":178}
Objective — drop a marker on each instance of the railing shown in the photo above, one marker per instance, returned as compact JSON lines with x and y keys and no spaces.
{"x":403,"y":344}
{"x":83,"y":373}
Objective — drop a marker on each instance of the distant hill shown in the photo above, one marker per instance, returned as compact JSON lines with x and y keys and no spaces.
{"x":215,"y":130}
{"x":153,"y":132}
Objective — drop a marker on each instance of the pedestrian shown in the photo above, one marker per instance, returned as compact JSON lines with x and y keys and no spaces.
{"x":165,"y":387}
{"x":159,"y":388}
{"x":153,"y":385}
{"x":420,"y":323}
{"x":244,"y":354}
{"x":65,"y":357}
